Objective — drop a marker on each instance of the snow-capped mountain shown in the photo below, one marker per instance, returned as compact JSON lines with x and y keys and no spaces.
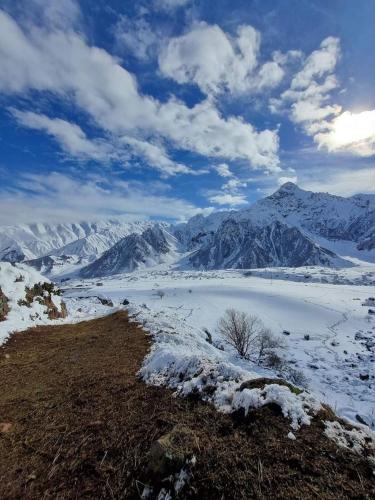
{"x":245,"y":245}
{"x":292,"y":227}
{"x":153,"y":247}
{"x":331,"y":217}
{"x":85,"y":239}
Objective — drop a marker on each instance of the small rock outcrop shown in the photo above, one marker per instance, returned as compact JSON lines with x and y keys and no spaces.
{"x":43,"y":293}
{"x":170,"y":452}
{"x":4,"y":306}
{"x":260,"y":383}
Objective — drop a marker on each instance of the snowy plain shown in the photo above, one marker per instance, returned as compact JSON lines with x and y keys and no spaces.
{"x":338,"y":358}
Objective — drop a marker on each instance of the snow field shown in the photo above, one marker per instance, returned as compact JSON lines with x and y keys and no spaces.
{"x":339,"y":365}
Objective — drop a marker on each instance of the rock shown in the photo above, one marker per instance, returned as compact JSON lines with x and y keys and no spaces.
{"x":125,"y":302}
{"x":360,"y":420}
{"x":285,"y":332}
{"x":5,"y":427}
{"x":105,"y":302}
{"x":170,"y":452}
{"x":306,"y":337}
{"x":4,"y":307}
{"x":363,"y":376}
{"x":261,"y":383}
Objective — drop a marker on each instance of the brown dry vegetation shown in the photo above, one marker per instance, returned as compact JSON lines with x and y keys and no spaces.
{"x":76,"y":422}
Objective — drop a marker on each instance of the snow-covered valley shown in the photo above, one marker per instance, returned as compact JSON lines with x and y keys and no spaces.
{"x":328,"y":333}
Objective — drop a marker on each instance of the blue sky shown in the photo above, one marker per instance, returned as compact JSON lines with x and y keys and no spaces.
{"x":167,"y":108}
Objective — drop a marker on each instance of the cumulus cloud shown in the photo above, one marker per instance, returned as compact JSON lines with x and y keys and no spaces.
{"x":310,"y":88}
{"x":57,"y":197}
{"x":229,"y":199}
{"x":231,"y":191}
{"x":70,"y":136}
{"x":62,"y":63}
{"x":223,"y":170}
{"x":217,"y":62}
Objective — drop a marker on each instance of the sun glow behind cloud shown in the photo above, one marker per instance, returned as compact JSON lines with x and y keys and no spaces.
{"x":352,"y":132}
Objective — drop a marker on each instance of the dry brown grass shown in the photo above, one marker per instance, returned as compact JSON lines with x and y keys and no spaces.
{"x":76,"y":422}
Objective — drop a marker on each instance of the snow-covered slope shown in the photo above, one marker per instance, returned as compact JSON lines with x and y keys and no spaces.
{"x":241,"y":244}
{"x":26,"y":298}
{"x":84,"y":239}
{"x":323,"y":214}
{"x":153,"y":247}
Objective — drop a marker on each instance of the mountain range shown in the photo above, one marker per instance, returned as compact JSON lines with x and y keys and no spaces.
{"x":291,"y":228}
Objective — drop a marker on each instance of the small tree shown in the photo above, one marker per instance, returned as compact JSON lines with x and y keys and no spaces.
{"x":240,"y":330}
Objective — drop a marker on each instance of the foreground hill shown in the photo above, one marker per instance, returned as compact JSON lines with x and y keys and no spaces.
{"x":76,"y":421}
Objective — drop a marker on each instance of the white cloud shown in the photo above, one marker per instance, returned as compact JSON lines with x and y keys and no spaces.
{"x":223,"y":170}
{"x":63,"y":64}
{"x":310,"y":88}
{"x":156,"y":156}
{"x":283,"y":180}
{"x":70,"y":136}
{"x":319,"y":63}
{"x":56,"y":197}
{"x":217,"y":62}
{"x":53,"y":14}
{"x":229,"y":199}
{"x":234,"y":185}
{"x":137,"y":37}
{"x":170,"y":5}
{"x":344,"y":183}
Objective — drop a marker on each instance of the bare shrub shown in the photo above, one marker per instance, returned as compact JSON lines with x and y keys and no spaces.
{"x":273,"y":360}
{"x":160,"y":294}
{"x":240,"y":330}
{"x":267,"y":342}
{"x":296,"y":376}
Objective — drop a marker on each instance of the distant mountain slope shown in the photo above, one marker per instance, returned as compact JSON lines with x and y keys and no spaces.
{"x":244,"y":245}
{"x":154,"y":246}
{"x":292,"y":227}
{"x":329,"y":216}
{"x":88,"y":239}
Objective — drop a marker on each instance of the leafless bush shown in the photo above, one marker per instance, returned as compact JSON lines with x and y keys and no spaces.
{"x":160,"y":294}
{"x":240,"y":330}
{"x":267,"y":343}
{"x":296,"y":376}
{"x":273,"y":360}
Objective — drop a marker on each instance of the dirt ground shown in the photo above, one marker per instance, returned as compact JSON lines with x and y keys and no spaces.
{"x":76,"y":422}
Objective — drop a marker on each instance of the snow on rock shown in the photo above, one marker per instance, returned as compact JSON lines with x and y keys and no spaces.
{"x":31,"y":299}
{"x":292,"y":405}
{"x":359,"y":439}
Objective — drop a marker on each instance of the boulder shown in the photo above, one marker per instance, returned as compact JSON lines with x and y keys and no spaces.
{"x":171,"y":451}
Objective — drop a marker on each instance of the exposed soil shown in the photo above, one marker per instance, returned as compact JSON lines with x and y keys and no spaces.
{"x":76,"y":422}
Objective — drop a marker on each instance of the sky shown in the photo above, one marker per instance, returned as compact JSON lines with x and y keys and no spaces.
{"x":163,"y":109}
